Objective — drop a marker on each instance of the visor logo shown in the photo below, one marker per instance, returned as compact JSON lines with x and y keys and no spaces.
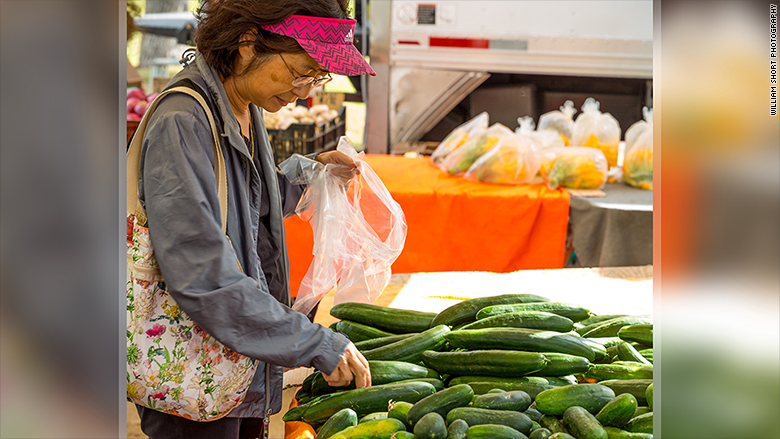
{"x":348,"y":38}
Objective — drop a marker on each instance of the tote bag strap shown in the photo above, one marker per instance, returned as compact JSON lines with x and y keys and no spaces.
{"x":134,"y":158}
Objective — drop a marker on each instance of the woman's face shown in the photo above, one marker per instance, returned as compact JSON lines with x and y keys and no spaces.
{"x":269,"y":85}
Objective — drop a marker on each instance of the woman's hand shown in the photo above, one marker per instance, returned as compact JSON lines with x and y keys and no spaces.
{"x":345,"y":168}
{"x":352,"y":365}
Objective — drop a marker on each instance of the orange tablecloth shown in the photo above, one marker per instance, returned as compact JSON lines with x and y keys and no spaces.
{"x":458,"y":225}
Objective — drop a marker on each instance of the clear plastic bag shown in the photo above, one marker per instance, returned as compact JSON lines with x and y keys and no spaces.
{"x":560,"y":121}
{"x":638,"y":161}
{"x":359,"y":231}
{"x":574,"y":167}
{"x":514,"y":160}
{"x":598,"y":130}
{"x":544,"y":139}
{"x":458,"y":137}
{"x":460,"y":160}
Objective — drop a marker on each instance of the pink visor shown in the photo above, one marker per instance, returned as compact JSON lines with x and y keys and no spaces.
{"x":328,"y":41}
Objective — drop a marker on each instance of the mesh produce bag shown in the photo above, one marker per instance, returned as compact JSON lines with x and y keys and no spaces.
{"x":514,"y":160}
{"x":560,"y":121}
{"x":458,"y":137}
{"x":595,"y":129}
{"x":638,"y":161}
{"x":460,"y":160}
{"x":574,"y":167}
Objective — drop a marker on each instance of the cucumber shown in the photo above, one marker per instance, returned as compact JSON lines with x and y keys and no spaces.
{"x":520,"y":339}
{"x":616,"y":433}
{"x":535,"y":426}
{"x":367,"y":345}
{"x":397,"y":321}
{"x":610,"y":328}
{"x":380,"y":429}
{"x":540,"y":433}
{"x":619,"y":370}
{"x":647,"y":354}
{"x":553,"y":424}
{"x":400,"y":434}
{"x":516,"y":400}
{"x":364,"y":401}
{"x":591,"y":397}
{"x":641,"y":333}
{"x":594,"y":320}
{"x":490,"y":362}
{"x":634,"y":387}
{"x":530,"y":385}
{"x":640,"y":424}
{"x":376,"y":416}
{"x":477,"y":416}
{"x":431,"y":426}
{"x":641,"y":410}
{"x":441,"y":402}
{"x":575,"y":313}
{"x":607,"y":342}
{"x":494,"y":431}
{"x":618,"y":412}
{"x":458,"y":429}
{"x":649,"y":396}
{"x":496,"y":391}
{"x":306,"y":384}
{"x":359,"y":332}
{"x":382,"y":372}
{"x":563,"y":364}
{"x":341,"y":420}
{"x":534,"y":414}
{"x":437,"y":384}
{"x":599,"y":351}
{"x":411,"y":349}
{"x":334,"y":326}
{"x":525,"y":319}
{"x":626,"y":352}
{"x":399,"y":410}
{"x":466,"y":311}
{"x":562,"y":436}
{"x":582,"y":424}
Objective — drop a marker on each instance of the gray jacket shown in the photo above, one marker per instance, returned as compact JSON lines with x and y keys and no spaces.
{"x":177,"y":186}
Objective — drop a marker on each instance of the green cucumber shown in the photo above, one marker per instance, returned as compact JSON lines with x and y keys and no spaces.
{"x":400,"y":434}
{"x":380,"y":429}
{"x":341,"y":420}
{"x":619,"y":370}
{"x":382,"y":372}
{"x":540,"y":433}
{"x":397,"y":321}
{"x":535,"y":426}
{"x":530,"y":385}
{"x":626,"y":352}
{"x":496,"y":391}
{"x":563,"y":364}
{"x":520,"y":339}
{"x":376,"y":416}
{"x":641,"y":333}
{"x":489,"y":362}
{"x":575,"y":313}
{"x":616,"y":433}
{"x":493,"y":431}
{"x":649,"y":396}
{"x":458,"y":429}
{"x":582,"y":424}
{"x":306,"y":384}
{"x":534,"y":414}
{"x":466,"y":311}
{"x":594,"y":320}
{"x":441,"y":402}
{"x":634,"y":387}
{"x":599,"y":351}
{"x":619,"y":411}
{"x":367,"y":345}
{"x":525,"y":319}
{"x":641,"y":410}
{"x":516,"y":400}
{"x":641,"y":424}
{"x":610,"y":328}
{"x":411,"y":349}
{"x":553,"y":423}
{"x":647,"y":354}
{"x":591,"y":397}
{"x":399,"y":410}
{"x":334,"y":326}
{"x":358,"y":332}
{"x":366,"y":400}
{"x":562,"y":436}
{"x":431,"y":426}
{"x":607,"y":342}
{"x":477,"y":416}
{"x":437,"y":384}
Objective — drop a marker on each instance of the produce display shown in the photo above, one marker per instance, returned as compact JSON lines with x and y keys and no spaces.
{"x":507,"y":366}
{"x":137,"y":102}
{"x":574,"y":167}
{"x":282,"y":119}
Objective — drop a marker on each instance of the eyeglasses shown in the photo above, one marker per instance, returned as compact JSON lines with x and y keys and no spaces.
{"x":300,"y":81}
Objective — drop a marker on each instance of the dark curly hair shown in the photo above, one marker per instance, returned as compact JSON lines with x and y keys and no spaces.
{"x":222,"y":23}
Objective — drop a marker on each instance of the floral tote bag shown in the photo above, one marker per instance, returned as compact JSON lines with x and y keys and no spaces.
{"x":173,"y":365}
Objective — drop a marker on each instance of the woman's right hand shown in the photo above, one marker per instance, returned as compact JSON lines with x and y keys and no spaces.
{"x":353,"y":365}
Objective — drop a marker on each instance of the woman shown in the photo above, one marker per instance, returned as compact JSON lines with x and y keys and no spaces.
{"x":252,"y":55}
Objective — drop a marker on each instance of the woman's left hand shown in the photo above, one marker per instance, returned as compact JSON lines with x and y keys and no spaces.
{"x":345,"y":168}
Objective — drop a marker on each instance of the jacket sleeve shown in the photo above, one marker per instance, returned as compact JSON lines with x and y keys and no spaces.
{"x":198,"y":263}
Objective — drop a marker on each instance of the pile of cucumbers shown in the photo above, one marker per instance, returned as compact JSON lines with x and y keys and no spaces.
{"x":509,"y":366}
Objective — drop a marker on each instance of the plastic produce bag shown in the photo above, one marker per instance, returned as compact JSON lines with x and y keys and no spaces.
{"x":574,"y":167}
{"x":458,"y":137}
{"x":460,"y":160}
{"x":598,"y":130}
{"x":544,"y":139}
{"x":560,"y":121}
{"x":638,"y":161}
{"x":359,"y":231}
{"x":514,"y":160}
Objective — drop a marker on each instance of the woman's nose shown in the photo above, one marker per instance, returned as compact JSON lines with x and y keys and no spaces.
{"x":302,"y":92}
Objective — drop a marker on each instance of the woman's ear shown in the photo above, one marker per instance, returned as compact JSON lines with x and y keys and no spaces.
{"x":247,"y":51}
